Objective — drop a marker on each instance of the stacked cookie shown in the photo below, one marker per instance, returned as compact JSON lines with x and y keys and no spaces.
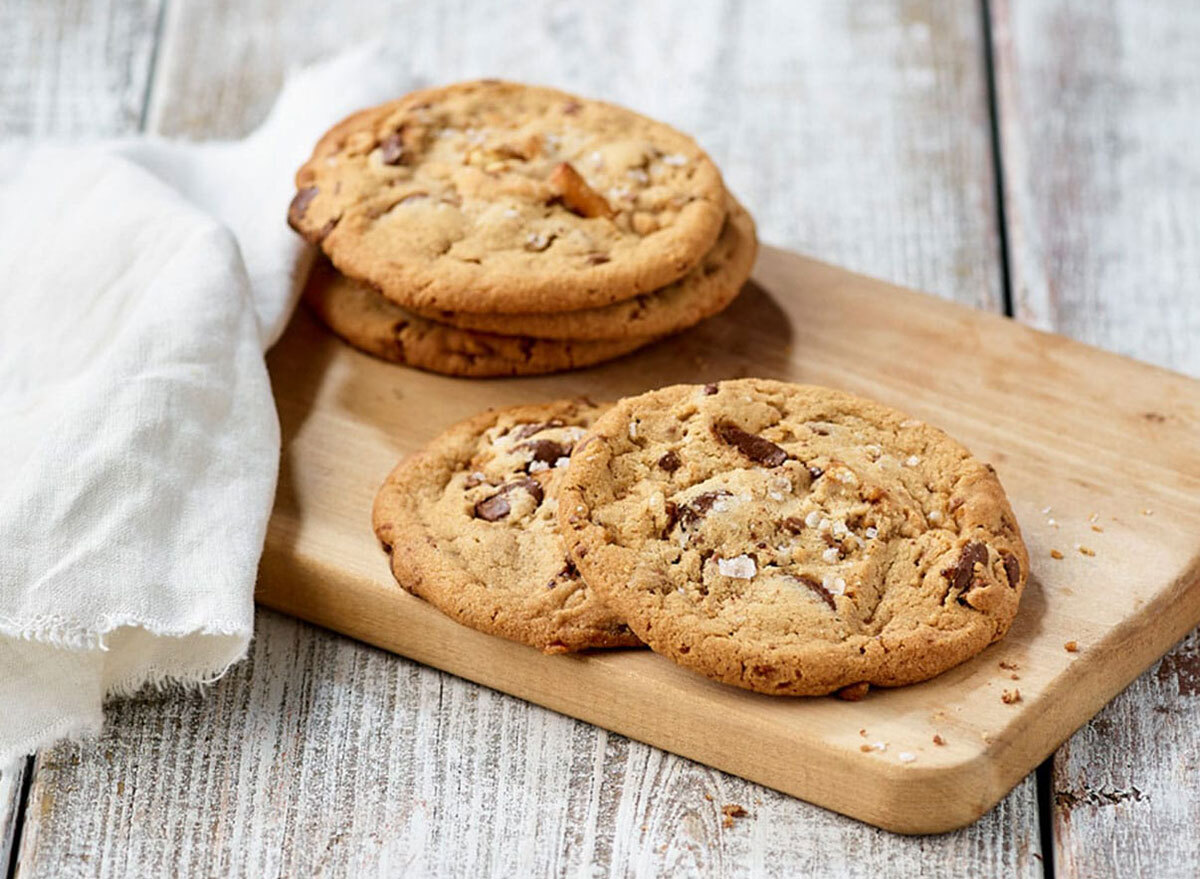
{"x":490,"y":228}
{"x":789,"y":539}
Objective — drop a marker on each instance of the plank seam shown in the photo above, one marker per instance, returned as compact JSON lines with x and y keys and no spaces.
{"x":152,"y":69}
{"x":989,"y":65}
{"x":14,"y":853}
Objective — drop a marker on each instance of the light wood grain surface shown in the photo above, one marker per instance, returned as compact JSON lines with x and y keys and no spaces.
{"x":859,"y":133}
{"x":1099,"y":108}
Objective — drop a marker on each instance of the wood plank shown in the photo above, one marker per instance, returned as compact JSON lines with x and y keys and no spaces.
{"x":900,"y":186}
{"x":74,"y":68}
{"x":1103,"y":183}
{"x":12,"y":780}
{"x":323,"y":755}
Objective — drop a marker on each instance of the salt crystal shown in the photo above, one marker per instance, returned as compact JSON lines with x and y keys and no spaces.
{"x":538,"y":466}
{"x":633,"y":430}
{"x":562,"y":462}
{"x":812,"y":519}
{"x":906,"y":757}
{"x":879,"y":746}
{"x":872,"y":532}
{"x":912,"y":461}
{"x":831,"y":554}
{"x":740,"y":567}
{"x":935,"y":516}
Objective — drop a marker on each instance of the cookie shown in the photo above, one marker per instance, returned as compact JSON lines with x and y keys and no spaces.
{"x":470,"y":526}
{"x":704,"y":291}
{"x":792,"y":539}
{"x":497,"y":197}
{"x":378,"y":326}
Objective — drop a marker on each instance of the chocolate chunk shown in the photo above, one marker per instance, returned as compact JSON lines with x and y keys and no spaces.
{"x":1012,"y":568}
{"x":672,"y":509}
{"x":324,"y":231}
{"x":815,"y":472}
{"x":493,"y":508}
{"x":699,"y":507}
{"x":793,"y":524}
{"x":596,"y":259}
{"x":710,"y":389}
{"x":817,"y":589}
{"x":392,"y":151}
{"x":530,"y":485}
{"x":527,"y":430}
{"x":759,"y":450}
{"x":962,"y":574}
{"x":669,"y":462}
{"x":546,"y":450}
{"x":299,"y":205}
{"x":497,"y":506}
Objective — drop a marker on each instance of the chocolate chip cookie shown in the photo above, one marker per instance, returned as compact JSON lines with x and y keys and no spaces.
{"x":497,"y":197}
{"x":470,"y":526}
{"x":792,"y":539}
{"x":378,"y":326}
{"x":704,"y":291}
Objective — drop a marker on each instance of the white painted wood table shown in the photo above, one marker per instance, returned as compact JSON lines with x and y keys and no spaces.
{"x":1036,"y":158}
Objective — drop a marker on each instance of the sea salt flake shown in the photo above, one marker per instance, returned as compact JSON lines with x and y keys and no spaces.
{"x":633,"y":426}
{"x":831,"y":554}
{"x":812,"y":519}
{"x":538,"y":466}
{"x":562,"y":462}
{"x":907,"y":757}
{"x":824,"y":525}
{"x":935,"y":516}
{"x":872,"y":532}
{"x":912,"y":460}
{"x":740,"y":567}
{"x":879,"y":746}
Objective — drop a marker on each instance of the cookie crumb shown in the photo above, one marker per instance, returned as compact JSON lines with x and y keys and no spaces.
{"x":906,"y":757}
{"x":854,"y":693}
{"x":1071,"y":647}
{"x":1055,"y":554}
{"x":731,"y":811}
{"x":863,"y":733}
{"x":1008,"y":666}
{"x":1147,"y":512}
{"x":708,"y":797}
{"x":938,"y":740}
{"x":864,"y":748}
{"x":1015,"y":677}
{"x":1086,"y":550}
{"x":1010,"y":697}
{"x":1097,"y":529}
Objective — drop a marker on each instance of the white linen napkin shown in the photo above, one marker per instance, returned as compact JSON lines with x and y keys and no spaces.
{"x":139,"y":444}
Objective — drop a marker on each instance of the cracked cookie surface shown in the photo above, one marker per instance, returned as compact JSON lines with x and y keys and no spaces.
{"x":792,"y":539}
{"x":704,"y":291}
{"x":378,"y":326}
{"x":497,"y":197}
{"x":469,"y":523}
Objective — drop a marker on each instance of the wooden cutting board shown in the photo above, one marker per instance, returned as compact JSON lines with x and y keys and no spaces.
{"x":1095,"y":451}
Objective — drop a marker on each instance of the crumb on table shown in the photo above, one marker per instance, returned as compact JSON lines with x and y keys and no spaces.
{"x":731,"y":811}
{"x":1055,"y":554}
{"x":1008,"y":666}
{"x":854,"y":692}
{"x":1010,"y":697}
{"x":1086,"y":550}
{"x":938,"y":740}
{"x":1071,"y":647}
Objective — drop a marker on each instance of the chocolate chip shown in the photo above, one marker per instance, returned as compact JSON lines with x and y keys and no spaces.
{"x":527,"y":430}
{"x":547,"y":451}
{"x":699,"y":507}
{"x":299,"y":205}
{"x":962,"y":574}
{"x":392,"y":151}
{"x":1012,"y":568}
{"x":817,"y":589}
{"x":793,"y":524}
{"x":757,"y":449}
{"x":669,"y":462}
{"x":814,"y":472}
{"x":710,"y":389}
{"x":324,"y":231}
{"x":596,"y":259}
{"x":493,"y":508}
{"x":530,"y":485}
{"x":497,"y":506}
{"x":672,"y":509}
